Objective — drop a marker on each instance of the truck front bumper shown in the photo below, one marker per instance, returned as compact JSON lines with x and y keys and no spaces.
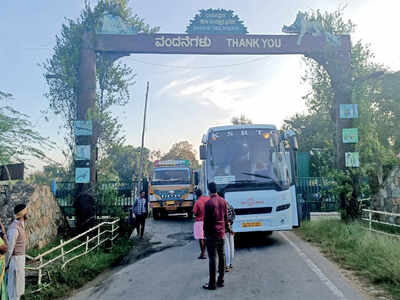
{"x":172,"y":205}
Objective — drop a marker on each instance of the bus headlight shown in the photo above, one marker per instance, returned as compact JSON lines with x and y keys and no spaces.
{"x":282,"y":207}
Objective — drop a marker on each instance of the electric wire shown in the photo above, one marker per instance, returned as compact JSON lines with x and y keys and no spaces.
{"x":198,"y":67}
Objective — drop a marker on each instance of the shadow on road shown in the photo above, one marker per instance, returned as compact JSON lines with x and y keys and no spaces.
{"x":254,"y":240}
{"x":181,"y":218}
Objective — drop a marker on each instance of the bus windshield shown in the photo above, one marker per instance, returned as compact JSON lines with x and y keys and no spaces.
{"x":246,"y":157}
{"x":165,"y":176}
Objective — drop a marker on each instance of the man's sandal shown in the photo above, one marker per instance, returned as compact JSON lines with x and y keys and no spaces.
{"x":207,"y":287}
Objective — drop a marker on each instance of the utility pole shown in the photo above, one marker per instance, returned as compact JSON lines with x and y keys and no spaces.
{"x":143,"y":132}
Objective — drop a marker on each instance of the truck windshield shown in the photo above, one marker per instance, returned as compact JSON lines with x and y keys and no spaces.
{"x":167,"y":176}
{"x":246,"y":157}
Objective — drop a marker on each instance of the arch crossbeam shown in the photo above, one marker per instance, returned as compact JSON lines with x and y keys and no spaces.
{"x":216,"y":44}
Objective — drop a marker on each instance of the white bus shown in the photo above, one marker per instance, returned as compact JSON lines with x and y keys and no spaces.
{"x":254,"y":165}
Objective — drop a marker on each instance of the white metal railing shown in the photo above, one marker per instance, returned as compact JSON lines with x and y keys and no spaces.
{"x":98,"y":239}
{"x":371,"y":220}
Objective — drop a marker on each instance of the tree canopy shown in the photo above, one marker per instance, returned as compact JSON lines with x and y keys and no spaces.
{"x":51,"y":171}
{"x":113,"y":78}
{"x":241,"y":120}
{"x":18,"y":139}
{"x":122,"y":163}
{"x":182,"y":150}
{"x":378,"y":106}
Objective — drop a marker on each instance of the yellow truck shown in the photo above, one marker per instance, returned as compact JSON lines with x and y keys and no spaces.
{"x":172,"y":188}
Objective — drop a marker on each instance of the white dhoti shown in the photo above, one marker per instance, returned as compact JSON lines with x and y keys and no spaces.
{"x":15,"y":260}
{"x":16,"y":277}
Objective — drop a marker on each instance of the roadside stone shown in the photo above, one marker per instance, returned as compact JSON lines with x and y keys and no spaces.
{"x":44,"y":215}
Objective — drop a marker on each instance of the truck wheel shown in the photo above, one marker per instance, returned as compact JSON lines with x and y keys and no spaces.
{"x":163,"y":214}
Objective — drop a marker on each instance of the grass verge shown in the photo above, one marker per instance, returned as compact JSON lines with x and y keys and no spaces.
{"x":372,"y":256}
{"x":81,"y":271}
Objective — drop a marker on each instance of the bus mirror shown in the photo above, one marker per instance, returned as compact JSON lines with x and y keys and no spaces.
{"x":203,"y":152}
{"x":293,"y":143}
{"x":196,"y":178}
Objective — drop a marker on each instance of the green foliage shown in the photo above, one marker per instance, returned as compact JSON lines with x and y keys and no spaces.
{"x":242,"y":120}
{"x":379,"y":109}
{"x":122,"y":163}
{"x":113,"y":78}
{"x":81,"y":271}
{"x":344,"y":189}
{"x":315,"y":136}
{"x":182,"y":150}
{"x":372,"y":256}
{"x":51,"y":171}
{"x":108,"y":200}
{"x":18,"y":139}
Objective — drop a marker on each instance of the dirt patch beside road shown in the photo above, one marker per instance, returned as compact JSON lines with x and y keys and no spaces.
{"x":159,"y":235}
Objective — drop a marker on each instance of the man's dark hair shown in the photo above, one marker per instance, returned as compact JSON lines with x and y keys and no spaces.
{"x":18,"y":208}
{"x":142,"y":192}
{"x":212,"y":187}
{"x":221,"y":194}
{"x":199,"y":192}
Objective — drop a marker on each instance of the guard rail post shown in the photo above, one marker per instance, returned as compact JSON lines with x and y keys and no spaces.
{"x":370,"y":220}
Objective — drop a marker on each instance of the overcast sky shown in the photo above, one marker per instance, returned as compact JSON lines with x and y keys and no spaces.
{"x":188,"y":94}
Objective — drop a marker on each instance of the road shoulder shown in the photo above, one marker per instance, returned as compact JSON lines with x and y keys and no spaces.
{"x":327,"y":265}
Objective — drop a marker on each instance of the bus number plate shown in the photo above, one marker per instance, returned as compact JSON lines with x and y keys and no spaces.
{"x":251,"y":224}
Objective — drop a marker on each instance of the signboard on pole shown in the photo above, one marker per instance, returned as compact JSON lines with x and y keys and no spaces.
{"x":82,"y":152}
{"x":350,"y":135}
{"x":82,"y":175}
{"x":348,"y":111}
{"x":83,"y":127}
{"x":352,"y":160}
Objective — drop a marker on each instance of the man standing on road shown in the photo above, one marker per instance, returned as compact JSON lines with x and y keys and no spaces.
{"x":198,"y":211}
{"x":229,"y":235}
{"x":15,"y":260}
{"x":215,"y":221}
{"x":140,"y":211}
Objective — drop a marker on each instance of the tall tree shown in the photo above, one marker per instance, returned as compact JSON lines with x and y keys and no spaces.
{"x":122,"y":163}
{"x":18,"y":139}
{"x":51,"y":171}
{"x":315,"y":132}
{"x":113,"y":78}
{"x":182,"y":150}
{"x":378,"y":108}
{"x":241,"y":120}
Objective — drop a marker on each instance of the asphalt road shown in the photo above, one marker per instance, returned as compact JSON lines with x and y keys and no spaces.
{"x":280,"y":266}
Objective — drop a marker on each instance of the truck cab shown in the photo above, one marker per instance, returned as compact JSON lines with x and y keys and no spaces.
{"x":171,"y":188}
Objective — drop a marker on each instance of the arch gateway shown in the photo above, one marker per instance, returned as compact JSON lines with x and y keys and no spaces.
{"x":215,"y":32}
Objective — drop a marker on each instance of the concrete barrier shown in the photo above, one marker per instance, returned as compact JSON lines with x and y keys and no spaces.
{"x":314,"y":216}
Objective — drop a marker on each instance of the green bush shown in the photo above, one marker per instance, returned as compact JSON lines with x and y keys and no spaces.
{"x":108,"y":203}
{"x":81,"y":271}
{"x":373,"y":256}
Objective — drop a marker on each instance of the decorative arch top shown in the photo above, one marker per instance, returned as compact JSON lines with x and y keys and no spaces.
{"x":114,"y":24}
{"x":216,"y":21}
